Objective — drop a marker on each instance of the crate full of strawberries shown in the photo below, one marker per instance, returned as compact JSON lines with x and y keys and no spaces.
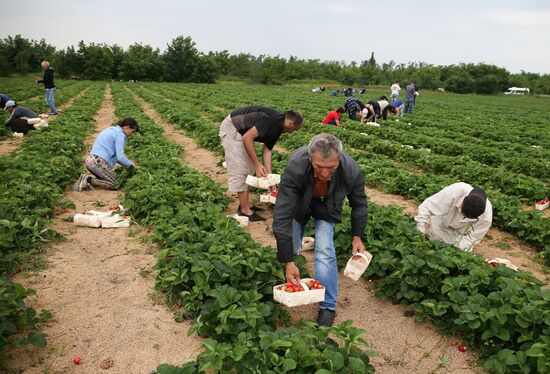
{"x":308,"y":291}
{"x":542,"y":204}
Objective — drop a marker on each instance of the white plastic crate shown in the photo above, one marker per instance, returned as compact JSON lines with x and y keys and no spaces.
{"x":264,"y":182}
{"x":241,"y":220}
{"x":115,"y":221}
{"x":87,"y":220}
{"x":33,"y":121}
{"x":495,"y":261}
{"x":308,"y":243}
{"x":357,"y":265}
{"x":541,"y":205}
{"x":304,"y":297}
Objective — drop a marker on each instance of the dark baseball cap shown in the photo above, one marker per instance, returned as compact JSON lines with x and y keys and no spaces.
{"x":474,"y":204}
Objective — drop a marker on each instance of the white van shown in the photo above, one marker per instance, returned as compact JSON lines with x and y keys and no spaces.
{"x":517,"y":91}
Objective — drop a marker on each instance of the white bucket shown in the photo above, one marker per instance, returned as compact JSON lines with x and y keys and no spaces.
{"x":357,"y":265}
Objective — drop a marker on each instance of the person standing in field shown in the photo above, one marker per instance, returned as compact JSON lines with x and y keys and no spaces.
{"x":410,"y":97}
{"x":238,"y":132}
{"x":459,"y":215}
{"x":107,"y":151}
{"x":395,"y":90}
{"x":314,"y":184}
{"x":49,"y":85}
{"x":333,"y":117}
{"x":19,"y":115}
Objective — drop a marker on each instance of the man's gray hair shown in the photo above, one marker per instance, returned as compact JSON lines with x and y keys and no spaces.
{"x":326,"y":145}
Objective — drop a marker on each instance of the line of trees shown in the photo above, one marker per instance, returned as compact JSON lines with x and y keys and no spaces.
{"x":182,"y":62}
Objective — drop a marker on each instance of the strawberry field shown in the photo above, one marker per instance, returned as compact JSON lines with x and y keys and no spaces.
{"x":214,"y":273}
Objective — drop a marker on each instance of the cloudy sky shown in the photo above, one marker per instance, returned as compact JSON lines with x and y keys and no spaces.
{"x":511,"y":34}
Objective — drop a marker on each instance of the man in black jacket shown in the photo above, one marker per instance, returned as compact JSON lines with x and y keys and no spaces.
{"x":47,"y":79}
{"x":314,"y":184}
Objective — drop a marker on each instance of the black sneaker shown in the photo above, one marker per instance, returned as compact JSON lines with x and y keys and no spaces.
{"x":326,"y":317}
{"x":253,"y":207}
{"x":253,"y":217}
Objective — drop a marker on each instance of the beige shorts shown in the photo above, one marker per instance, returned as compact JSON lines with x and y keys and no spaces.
{"x":238,"y":163}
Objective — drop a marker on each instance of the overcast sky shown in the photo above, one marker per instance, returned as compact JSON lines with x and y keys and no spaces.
{"x":511,"y":34}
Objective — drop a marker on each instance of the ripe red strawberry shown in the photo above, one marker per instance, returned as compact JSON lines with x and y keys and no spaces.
{"x":461,"y":347}
{"x":76,"y":360}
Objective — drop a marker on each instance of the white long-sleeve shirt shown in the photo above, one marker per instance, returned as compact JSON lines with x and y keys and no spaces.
{"x":443,"y":213}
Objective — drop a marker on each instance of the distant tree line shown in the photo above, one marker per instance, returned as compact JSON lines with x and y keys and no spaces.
{"x":182,"y":62}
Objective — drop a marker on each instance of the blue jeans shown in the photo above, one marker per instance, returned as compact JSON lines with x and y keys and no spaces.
{"x":50,"y":100}
{"x":409,"y":104}
{"x":326,"y":269}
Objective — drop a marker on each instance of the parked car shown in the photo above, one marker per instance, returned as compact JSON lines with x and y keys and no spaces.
{"x":517,"y":91}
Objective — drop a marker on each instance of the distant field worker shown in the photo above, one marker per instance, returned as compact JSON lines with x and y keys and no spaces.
{"x":17,"y":120}
{"x":318,"y":89}
{"x":395,"y":88}
{"x":410,"y":99}
{"x":376,"y":109}
{"x":354,"y":108}
{"x":333,"y":117}
{"x":107,"y":151}
{"x":3,"y":100}
{"x":459,"y":215}
{"x":238,"y":132}
{"x":49,"y":85}
{"x":399,"y":106}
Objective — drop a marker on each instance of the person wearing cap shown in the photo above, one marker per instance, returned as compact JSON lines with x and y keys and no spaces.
{"x":49,"y":85}
{"x":315,"y":182}
{"x":459,"y":215}
{"x":238,"y":132}
{"x":19,"y":115}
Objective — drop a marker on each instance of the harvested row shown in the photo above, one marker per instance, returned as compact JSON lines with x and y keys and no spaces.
{"x":32,"y":185}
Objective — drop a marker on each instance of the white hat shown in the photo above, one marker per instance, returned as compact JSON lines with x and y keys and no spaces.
{"x":9,"y":103}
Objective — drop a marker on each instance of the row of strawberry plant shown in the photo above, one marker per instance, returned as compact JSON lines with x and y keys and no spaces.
{"x":489,"y":118}
{"x":221,"y":277}
{"x":502,"y":313}
{"x":381,"y":171}
{"x":33,"y":182}
{"x":502,"y":154}
{"x":458,"y":291}
{"x":533,"y":161}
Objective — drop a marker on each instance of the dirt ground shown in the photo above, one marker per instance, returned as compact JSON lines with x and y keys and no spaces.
{"x":100,"y":286}
{"x":404,"y":345}
{"x":12,"y":143}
